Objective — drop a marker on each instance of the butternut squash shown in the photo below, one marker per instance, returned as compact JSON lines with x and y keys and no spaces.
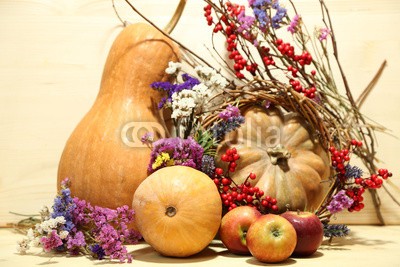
{"x":103,"y":168}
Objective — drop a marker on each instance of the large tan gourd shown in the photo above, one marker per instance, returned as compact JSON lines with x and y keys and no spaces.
{"x":104,"y":169}
{"x":289,"y":163}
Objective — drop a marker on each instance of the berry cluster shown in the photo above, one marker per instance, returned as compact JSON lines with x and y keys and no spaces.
{"x":286,"y":49}
{"x":340,"y":159}
{"x":266,"y":56}
{"x":375,"y":181}
{"x":240,"y":63}
{"x":299,"y":61}
{"x":355,"y":193}
{"x":234,"y":195}
{"x":207,"y":14}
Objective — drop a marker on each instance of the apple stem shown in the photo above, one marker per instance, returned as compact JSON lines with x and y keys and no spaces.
{"x":170,"y":211}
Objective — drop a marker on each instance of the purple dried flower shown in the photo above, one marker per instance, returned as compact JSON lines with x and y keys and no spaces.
{"x":220,"y":129}
{"x":147,"y":138}
{"x":339,"y":202}
{"x":76,"y":242}
{"x":229,"y":112}
{"x":246,"y":22}
{"x":101,"y":231}
{"x":292,"y":28}
{"x":188,"y":83}
{"x":353,"y":172}
{"x":323,"y":34}
{"x":260,"y":10}
{"x":64,"y":206}
{"x":175,"y":151}
{"x":52,"y":241}
{"x":98,"y":251}
{"x":279,"y":15}
{"x":208,"y":165}
{"x":81,"y":213}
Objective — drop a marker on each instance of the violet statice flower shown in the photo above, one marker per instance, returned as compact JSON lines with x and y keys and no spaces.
{"x":98,"y":251}
{"x":64,"y":206}
{"x":294,"y":23}
{"x":279,"y":15}
{"x":111,"y":243}
{"x":259,"y":9}
{"x":353,"y":172}
{"x":75,"y":242}
{"x":52,"y":241}
{"x":147,"y":138}
{"x":188,"y":83}
{"x":223,"y":127}
{"x":336,"y":230}
{"x":81,"y":213}
{"x":175,"y":151}
{"x":111,"y":237}
{"x":339,"y":202}
{"x":229,"y":112}
{"x":96,"y":230}
{"x":323,"y":34}
{"x":246,"y":22}
{"x":208,"y":165}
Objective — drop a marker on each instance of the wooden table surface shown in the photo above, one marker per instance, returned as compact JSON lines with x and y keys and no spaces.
{"x":365,"y":246}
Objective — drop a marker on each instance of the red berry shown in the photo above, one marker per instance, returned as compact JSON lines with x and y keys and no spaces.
{"x":264,"y":203}
{"x":219,"y":171}
{"x":226,"y":181}
{"x":252,"y":176}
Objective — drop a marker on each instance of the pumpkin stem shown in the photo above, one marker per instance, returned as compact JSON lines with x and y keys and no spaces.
{"x":277,"y":153}
{"x":170,"y":211}
{"x":175,"y":18}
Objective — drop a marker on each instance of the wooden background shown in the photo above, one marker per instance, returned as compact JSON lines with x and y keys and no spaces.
{"x":51,"y":57}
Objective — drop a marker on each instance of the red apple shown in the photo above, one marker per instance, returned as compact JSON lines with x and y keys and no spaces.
{"x":271,"y":238}
{"x":234,"y":226}
{"x":309,"y":230}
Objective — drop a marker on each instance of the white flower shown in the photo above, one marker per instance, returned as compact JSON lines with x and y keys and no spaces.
{"x":63,"y":234}
{"x":204,"y":71}
{"x":173,"y":67}
{"x":39,"y":229}
{"x":35,"y":242}
{"x":183,"y":103}
{"x":23,"y":246}
{"x":52,"y":223}
{"x":44,"y":213}
{"x":210,"y":78}
{"x":201,"y":90}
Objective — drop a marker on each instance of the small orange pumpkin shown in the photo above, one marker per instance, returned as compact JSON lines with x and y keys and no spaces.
{"x":177,"y":210}
{"x":289,"y":165}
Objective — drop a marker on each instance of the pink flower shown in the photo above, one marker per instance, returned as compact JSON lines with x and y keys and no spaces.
{"x":51,"y":241}
{"x":323,"y":34}
{"x":339,"y":202}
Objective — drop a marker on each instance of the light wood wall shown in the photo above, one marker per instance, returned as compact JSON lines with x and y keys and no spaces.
{"x":52,"y":54}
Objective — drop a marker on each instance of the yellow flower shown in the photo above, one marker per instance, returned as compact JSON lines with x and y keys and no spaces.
{"x":161,"y":159}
